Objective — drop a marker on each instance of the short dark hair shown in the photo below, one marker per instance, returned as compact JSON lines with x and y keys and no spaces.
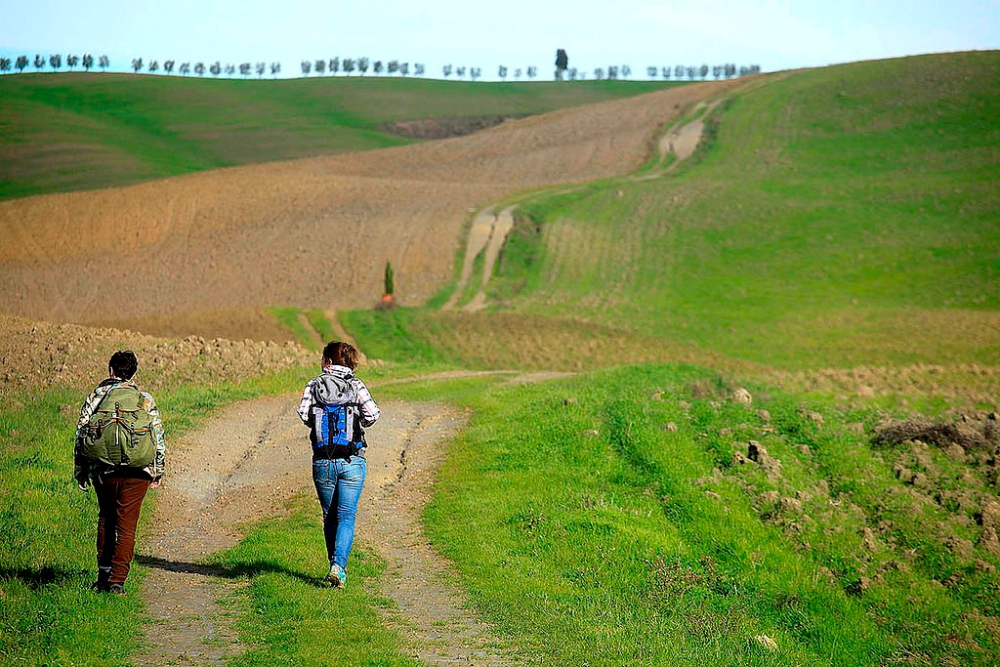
{"x":341,"y":354}
{"x":123,"y":364}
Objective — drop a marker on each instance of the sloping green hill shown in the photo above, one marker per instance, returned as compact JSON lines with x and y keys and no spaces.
{"x":61,"y":132}
{"x":841,"y":216}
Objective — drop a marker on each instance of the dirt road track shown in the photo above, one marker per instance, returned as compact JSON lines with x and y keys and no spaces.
{"x":244,"y":465}
{"x":488,"y":233}
{"x":490,"y":228}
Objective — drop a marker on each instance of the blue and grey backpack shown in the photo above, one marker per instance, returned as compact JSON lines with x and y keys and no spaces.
{"x":335,"y":412}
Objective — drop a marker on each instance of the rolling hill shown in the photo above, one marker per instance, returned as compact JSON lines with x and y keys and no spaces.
{"x":312,"y":233}
{"x":79,"y":131}
{"x":844,"y":216}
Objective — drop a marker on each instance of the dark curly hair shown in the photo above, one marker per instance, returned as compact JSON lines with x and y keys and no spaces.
{"x":123,"y":364}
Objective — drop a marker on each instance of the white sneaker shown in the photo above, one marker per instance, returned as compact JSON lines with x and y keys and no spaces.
{"x":337,"y":577}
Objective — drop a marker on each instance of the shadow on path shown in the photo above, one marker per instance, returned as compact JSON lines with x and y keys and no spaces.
{"x":35,"y":578}
{"x":244,"y":570}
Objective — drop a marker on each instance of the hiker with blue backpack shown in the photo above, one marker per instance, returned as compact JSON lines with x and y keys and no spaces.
{"x":120,"y":451}
{"x":337,"y":407}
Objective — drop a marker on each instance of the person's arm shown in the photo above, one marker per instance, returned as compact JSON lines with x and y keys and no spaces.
{"x":305,"y":405}
{"x":159,"y":465}
{"x":81,"y":464}
{"x":366,"y":405}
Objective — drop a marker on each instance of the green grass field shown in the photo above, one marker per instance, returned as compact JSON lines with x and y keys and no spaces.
{"x":843,"y":216}
{"x":840,"y":228}
{"x":61,"y":132}
{"x":605,"y":520}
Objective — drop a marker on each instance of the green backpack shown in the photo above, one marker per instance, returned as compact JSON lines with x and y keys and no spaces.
{"x":120,"y":432}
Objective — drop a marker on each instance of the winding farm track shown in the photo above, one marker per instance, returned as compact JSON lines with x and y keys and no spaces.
{"x":683,"y":140}
{"x":490,"y":229}
{"x":312,"y":233}
{"x":244,"y":465}
{"x":488,"y":233}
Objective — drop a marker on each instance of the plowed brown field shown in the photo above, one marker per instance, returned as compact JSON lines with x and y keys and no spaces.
{"x":313,"y":233}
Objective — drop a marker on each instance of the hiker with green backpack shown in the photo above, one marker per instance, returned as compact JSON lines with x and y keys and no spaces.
{"x":120,"y":451}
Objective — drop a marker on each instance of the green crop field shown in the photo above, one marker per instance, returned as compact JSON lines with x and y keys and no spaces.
{"x":61,"y":132}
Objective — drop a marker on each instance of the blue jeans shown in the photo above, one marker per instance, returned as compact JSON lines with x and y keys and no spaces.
{"x":338,"y":485}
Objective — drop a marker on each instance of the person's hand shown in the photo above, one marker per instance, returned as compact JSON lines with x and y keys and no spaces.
{"x":156,"y":483}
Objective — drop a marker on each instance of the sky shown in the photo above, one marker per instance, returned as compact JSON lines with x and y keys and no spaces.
{"x":774,"y":34}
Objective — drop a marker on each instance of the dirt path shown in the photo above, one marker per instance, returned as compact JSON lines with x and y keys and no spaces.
{"x":241,"y":466}
{"x":244,"y":465}
{"x":314,"y":336}
{"x":682,"y":141}
{"x":432,"y":609}
{"x":339,"y":332}
{"x":490,"y":229}
{"x":503,"y":222}
{"x":479,"y":236}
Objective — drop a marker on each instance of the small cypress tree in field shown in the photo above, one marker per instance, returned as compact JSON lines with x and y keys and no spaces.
{"x":388,"y":300}
{"x":390,"y":283}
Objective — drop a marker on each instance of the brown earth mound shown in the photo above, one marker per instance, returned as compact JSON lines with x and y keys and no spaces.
{"x":443,"y":128}
{"x":977,"y":432}
{"x":37,"y":355}
{"x":231,"y":323}
{"x":312,"y":233}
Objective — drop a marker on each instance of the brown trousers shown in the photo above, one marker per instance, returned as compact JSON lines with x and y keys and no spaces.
{"x":119,"y":500}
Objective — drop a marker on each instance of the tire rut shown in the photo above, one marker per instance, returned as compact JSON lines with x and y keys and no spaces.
{"x":314,"y":336}
{"x":432,"y":611}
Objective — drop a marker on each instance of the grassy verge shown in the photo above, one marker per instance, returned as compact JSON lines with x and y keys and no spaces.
{"x":618,"y":526}
{"x":48,"y":614}
{"x":521,"y":253}
{"x":321,"y":323}
{"x":387,"y":335}
{"x":288,"y":317}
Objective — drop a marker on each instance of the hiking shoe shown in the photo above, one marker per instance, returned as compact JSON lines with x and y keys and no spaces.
{"x":337,"y":577}
{"x":116,"y":589}
{"x":100,"y":586}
